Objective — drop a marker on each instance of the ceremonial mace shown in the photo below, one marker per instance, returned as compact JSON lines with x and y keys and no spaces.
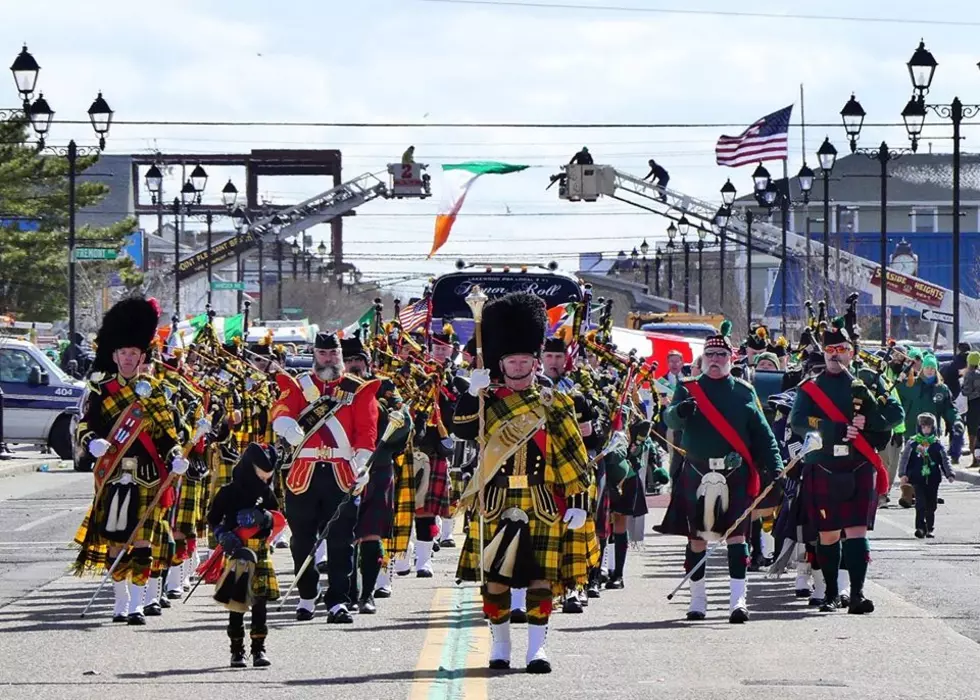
{"x":811,"y":443}
{"x":395,"y":421}
{"x":203,"y":427}
{"x":476,"y":300}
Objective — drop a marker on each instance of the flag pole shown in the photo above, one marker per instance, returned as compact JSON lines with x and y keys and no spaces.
{"x":802,"y":124}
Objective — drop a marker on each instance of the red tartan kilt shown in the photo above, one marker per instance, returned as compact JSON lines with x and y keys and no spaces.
{"x":773,"y":499}
{"x":681,"y":517}
{"x":827,"y":511}
{"x":437,"y":498}
{"x":376,"y":510}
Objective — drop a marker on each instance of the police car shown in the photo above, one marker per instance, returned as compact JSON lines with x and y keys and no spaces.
{"x":40,"y":402}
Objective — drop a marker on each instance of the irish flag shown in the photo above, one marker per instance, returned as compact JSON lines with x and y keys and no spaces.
{"x":459,"y":178}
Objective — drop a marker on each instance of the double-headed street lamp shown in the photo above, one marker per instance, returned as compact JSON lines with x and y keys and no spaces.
{"x":702,"y":233}
{"x":827,"y":157}
{"x":852,"y":116}
{"x":25,"y":70}
{"x":671,"y":235}
{"x":190,"y":195}
{"x":922,"y":68}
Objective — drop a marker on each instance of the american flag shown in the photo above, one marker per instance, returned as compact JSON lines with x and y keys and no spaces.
{"x":411,"y":317}
{"x":766,"y":139}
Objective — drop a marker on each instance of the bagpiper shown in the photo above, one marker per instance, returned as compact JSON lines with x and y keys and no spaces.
{"x":531,"y":483}
{"x":127,"y":429}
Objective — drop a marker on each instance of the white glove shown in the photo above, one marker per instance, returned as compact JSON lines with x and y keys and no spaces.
{"x":98,"y":447}
{"x":288,"y":429}
{"x":575,"y":518}
{"x":479,"y":379}
{"x":359,"y":460}
{"x":362,"y":478}
{"x":179,"y":465}
{"x":204,"y":426}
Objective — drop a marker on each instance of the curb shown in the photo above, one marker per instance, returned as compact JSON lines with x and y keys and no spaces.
{"x":28,"y":466}
{"x":970,"y":477}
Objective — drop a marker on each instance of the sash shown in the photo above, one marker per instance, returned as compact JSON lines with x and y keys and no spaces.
{"x":504,"y":443}
{"x":320,"y":414}
{"x":731,"y":436}
{"x":860,"y":443}
{"x":128,"y":427}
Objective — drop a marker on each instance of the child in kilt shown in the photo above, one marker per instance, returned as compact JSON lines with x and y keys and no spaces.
{"x":242,"y":522}
{"x":923,"y":464}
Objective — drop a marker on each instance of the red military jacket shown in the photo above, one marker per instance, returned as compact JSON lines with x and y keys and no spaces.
{"x":336,"y":426}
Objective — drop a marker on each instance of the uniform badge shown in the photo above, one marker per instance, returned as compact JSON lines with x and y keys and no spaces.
{"x":937,"y":398}
{"x":733,"y":460}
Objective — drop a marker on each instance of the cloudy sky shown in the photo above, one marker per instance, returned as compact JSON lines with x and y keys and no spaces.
{"x":681,"y":74}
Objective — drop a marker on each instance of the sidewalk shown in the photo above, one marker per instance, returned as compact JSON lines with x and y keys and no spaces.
{"x":26,"y":465}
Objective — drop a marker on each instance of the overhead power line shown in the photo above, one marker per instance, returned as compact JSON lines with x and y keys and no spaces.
{"x":707,"y":13}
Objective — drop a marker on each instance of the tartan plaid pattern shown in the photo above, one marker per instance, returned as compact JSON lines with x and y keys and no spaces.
{"x":579,"y":553}
{"x":222,"y":459}
{"x":375,"y":511}
{"x":157,"y":408}
{"x":437,"y":499}
{"x":455,"y":491}
{"x":682,"y":513}
{"x":404,"y":506}
{"x":265,"y":583}
{"x":189,"y":518}
{"x":546,"y":542}
{"x":630,"y":499}
{"x":826,"y":511}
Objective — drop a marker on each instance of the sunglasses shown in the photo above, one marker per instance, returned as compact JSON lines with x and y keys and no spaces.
{"x":837,"y":349}
{"x":722,"y":354}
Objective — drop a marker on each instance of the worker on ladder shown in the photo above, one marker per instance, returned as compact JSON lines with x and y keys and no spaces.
{"x":408,"y":157}
{"x":583,"y":157}
{"x":658,"y":177}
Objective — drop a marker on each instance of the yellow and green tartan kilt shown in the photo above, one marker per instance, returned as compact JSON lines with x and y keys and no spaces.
{"x":546,"y":542}
{"x":579,"y":553}
{"x":455,"y":491}
{"x":189,"y":518}
{"x":404,"y":516}
{"x":265,"y":584}
{"x":221,"y":466}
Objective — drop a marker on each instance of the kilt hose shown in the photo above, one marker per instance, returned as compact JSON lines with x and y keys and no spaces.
{"x":437,"y":497}
{"x":684,"y":511}
{"x":404,"y":507}
{"x":632,"y":498}
{"x":546,"y":543}
{"x":840,"y":496}
{"x":376,"y":506}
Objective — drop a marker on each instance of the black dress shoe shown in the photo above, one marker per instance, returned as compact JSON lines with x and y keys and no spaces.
{"x":940,"y":500}
{"x":423,"y":573}
{"x":571,"y":605}
{"x":518,"y":617}
{"x":448,"y":543}
{"x":304,"y":615}
{"x":136,"y":619}
{"x":435,"y":546}
{"x":695,"y":615}
{"x":165,"y":602}
{"x":175,"y":595}
{"x":119,"y":618}
{"x":815,"y":602}
{"x":260,"y":660}
{"x":341,"y":617}
{"x":499,"y":664}
{"x":382,"y":593}
{"x":539,"y":666}
{"x":152,"y":610}
{"x":367,"y":606}
{"x":593,"y":590}
{"x":803,"y":592}
{"x":844,"y":601}
{"x":860,"y":606}
{"x":738,"y":616}
{"x":615,"y":584}
{"x":830,"y":605}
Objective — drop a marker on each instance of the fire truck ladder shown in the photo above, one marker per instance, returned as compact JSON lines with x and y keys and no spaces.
{"x":588,"y":182}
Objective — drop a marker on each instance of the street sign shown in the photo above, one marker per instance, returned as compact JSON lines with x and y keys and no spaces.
{"x":96,"y":253}
{"x":218,"y":285}
{"x":292,"y":310}
{"x":937,"y":316}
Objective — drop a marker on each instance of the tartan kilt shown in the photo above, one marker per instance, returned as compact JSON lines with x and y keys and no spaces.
{"x":773,"y":499}
{"x":682,"y":512}
{"x":189,"y":518}
{"x":828,"y":511}
{"x":376,"y":507}
{"x":437,"y":499}
{"x":265,"y":583}
{"x":546,"y":542}
{"x":404,"y":507}
{"x":632,"y":500}
{"x":455,"y":491}
{"x":579,"y":554}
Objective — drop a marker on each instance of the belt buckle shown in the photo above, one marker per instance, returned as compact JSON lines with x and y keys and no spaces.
{"x":842,"y":450}
{"x":716,"y":464}
{"x":129,"y":464}
{"x":517,"y":482}
{"x":324,"y":453}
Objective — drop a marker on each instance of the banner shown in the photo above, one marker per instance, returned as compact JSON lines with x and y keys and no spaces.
{"x":919,"y":290}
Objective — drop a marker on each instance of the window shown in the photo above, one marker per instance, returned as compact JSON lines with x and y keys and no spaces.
{"x":16,"y":365}
{"x":924,"y":220}
{"x":847,"y":221}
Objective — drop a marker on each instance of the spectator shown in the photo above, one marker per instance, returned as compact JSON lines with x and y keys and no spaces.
{"x":971,"y":390}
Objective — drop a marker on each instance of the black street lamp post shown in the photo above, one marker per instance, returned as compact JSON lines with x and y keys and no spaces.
{"x":294,"y":248}
{"x":722,"y":217}
{"x":827,"y":156}
{"x":279,"y":274}
{"x":687,"y":273}
{"x":190,"y":194}
{"x":852,"y":115}
{"x":922,"y":68}
{"x":657,"y":258}
{"x":671,"y":234}
{"x":702,"y":232}
{"x":644,"y":249}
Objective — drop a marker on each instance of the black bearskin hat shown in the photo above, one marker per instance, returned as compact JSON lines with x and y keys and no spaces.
{"x":470,"y":347}
{"x":554,"y":344}
{"x":262,"y":456}
{"x":513,"y":324}
{"x":131,"y":323}
{"x":353,"y":347}
{"x":326,"y":341}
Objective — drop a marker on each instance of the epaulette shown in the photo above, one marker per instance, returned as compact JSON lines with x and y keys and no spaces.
{"x":351,"y":383}
{"x":685,"y":380}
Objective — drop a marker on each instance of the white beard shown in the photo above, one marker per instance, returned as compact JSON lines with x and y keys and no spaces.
{"x":328,"y":373}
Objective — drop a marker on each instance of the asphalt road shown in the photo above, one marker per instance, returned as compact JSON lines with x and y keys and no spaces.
{"x":429,"y":640}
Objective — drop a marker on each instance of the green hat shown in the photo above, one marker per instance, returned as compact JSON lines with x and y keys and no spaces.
{"x":771,"y":356}
{"x":929,"y":362}
{"x":973,"y":359}
{"x":914,"y":354}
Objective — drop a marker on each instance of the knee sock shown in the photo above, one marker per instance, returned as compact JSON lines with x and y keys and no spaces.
{"x":497,"y":606}
{"x":447,"y":529}
{"x":153,"y":589}
{"x":236,"y":625}
{"x":856,"y":553}
{"x":756,"y":540}
{"x":539,"y":602}
{"x":258,"y":628}
{"x":692,"y":559}
{"x":622,"y":544}
{"x":829,"y":557}
{"x":738,"y":560}
{"x":370,"y":566}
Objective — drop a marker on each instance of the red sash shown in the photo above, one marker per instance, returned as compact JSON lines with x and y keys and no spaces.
{"x":169,"y":496}
{"x":861,"y":443}
{"x":721,"y":424}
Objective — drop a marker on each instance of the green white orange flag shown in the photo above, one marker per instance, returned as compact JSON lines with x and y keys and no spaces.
{"x":459,"y":177}
{"x":366,"y":318}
